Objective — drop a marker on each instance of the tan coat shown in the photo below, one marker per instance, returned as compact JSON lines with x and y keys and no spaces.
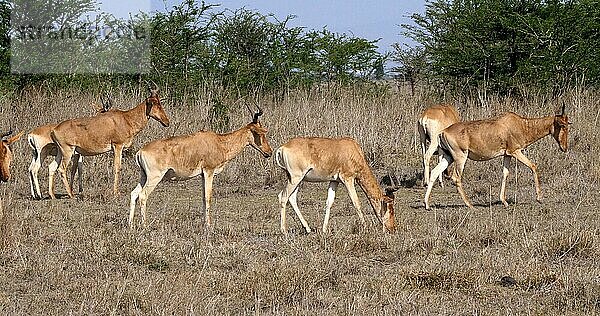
{"x":431,"y":123}
{"x":333,"y":160}
{"x":113,"y":130}
{"x":505,"y":136}
{"x":183,"y":157}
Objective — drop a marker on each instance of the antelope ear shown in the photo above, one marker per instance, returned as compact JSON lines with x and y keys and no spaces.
{"x":15,"y":138}
{"x":565,"y":122}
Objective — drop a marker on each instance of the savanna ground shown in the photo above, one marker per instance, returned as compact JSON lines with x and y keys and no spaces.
{"x":78,"y":256}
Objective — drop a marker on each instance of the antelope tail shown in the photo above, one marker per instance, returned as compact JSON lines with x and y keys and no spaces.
{"x":278,"y":157}
{"x":32,"y":144}
{"x":138,"y":158}
{"x":142,"y":164}
{"x":443,"y":144}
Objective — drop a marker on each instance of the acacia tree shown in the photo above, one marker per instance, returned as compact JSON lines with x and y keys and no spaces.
{"x":344,"y":58}
{"x":181,"y":44}
{"x":259,"y":52}
{"x":4,"y":39}
{"x":501,"y":44}
{"x":193,"y":45}
{"x":412,"y":64}
{"x":248,"y":45}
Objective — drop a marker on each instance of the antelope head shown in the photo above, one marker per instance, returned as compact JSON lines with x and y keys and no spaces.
{"x":154,"y":108}
{"x":6,"y":154}
{"x":387,"y":207}
{"x":259,"y":139}
{"x":560,"y":129}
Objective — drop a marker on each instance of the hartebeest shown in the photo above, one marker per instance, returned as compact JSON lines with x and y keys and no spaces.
{"x":184,"y":157}
{"x":333,"y":160}
{"x":433,"y":120}
{"x":6,"y":154}
{"x":42,"y":145}
{"x":112,"y":130}
{"x":505,"y":136}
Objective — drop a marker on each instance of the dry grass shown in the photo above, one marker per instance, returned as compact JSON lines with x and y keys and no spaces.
{"x":78,"y":257}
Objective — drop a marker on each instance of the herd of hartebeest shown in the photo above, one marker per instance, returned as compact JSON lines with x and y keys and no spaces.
{"x":314,"y":159}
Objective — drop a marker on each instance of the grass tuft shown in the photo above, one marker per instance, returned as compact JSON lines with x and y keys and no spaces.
{"x":79,"y":257}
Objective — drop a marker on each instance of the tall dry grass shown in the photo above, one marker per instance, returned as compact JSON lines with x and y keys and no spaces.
{"x":78,"y":257}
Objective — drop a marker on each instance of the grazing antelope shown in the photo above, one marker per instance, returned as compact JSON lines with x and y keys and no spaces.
{"x":339,"y":160}
{"x":6,"y":155}
{"x":113,"y":130}
{"x":506,"y":136}
{"x":433,"y":120}
{"x":42,"y":145}
{"x":187,"y":156}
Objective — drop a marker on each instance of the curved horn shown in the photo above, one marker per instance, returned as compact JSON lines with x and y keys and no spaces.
{"x":249,"y":109}
{"x":255,"y":115}
{"x":4,"y":134}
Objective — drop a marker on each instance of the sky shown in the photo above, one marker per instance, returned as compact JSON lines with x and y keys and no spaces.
{"x":362,"y":18}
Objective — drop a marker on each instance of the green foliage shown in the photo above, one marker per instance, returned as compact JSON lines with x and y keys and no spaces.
{"x":181,"y":48}
{"x":412,"y":64}
{"x":342,"y":58}
{"x":192,"y":46}
{"x":60,"y":44}
{"x":4,"y":40}
{"x":500,"y":45}
{"x":256,"y":52}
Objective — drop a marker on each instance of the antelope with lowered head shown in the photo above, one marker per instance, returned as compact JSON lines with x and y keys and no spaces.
{"x":333,"y":160}
{"x":42,"y":145}
{"x":431,"y":123}
{"x":113,"y":130}
{"x":183,"y":157}
{"x":505,"y":136}
{"x":6,"y":155}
